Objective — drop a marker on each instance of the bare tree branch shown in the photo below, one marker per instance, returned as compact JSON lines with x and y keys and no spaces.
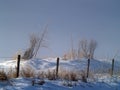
{"x":36,"y":42}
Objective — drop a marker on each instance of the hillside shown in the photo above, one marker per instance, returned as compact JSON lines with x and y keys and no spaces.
{"x":99,"y":79}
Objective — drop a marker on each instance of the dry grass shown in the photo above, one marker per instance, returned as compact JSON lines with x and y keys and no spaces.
{"x":41,"y":74}
{"x":75,"y":75}
{"x":11,"y":73}
{"x":27,"y":72}
{"x":83,"y":75}
{"x":3,"y":75}
{"x":68,"y":75}
{"x":51,"y":75}
{"x":63,"y":75}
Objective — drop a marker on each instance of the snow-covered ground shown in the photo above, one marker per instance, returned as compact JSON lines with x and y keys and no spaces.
{"x":25,"y":84}
{"x":100,"y":82}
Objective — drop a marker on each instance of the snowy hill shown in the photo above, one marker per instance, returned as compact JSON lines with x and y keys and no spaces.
{"x":50,"y":63}
{"x":100,"y":83}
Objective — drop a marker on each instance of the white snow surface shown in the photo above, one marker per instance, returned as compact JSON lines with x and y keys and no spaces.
{"x":102,"y":83}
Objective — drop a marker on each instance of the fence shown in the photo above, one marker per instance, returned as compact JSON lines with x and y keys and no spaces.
{"x":100,"y":68}
{"x":109,"y":69}
{"x":16,"y":68}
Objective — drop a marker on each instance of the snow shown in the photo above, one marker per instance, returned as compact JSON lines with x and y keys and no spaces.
{"x":25,"y":84}
{"x":101,"y":82}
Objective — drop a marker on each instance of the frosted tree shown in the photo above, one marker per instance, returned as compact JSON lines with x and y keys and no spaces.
{"x":36,"y":42}
{"x":87,"y":48}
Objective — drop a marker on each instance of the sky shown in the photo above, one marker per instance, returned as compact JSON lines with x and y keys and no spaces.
{"x":81,"y":19}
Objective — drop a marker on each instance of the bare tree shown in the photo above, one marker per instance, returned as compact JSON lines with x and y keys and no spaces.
{"x":92,"y":47}
{"x":88,"y":48}
{"x":84,"y":48}
{"x":41,"y":41}
{"x":36,"y":42}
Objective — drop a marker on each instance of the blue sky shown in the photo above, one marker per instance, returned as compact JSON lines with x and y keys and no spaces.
{"x":83,"y":19}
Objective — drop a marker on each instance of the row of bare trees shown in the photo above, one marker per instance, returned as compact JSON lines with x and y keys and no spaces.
{"x":85,"y":49}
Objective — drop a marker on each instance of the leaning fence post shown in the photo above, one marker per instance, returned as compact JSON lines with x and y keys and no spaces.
{"x":88,"y":65}
{"x":57,"y":66}
{"x":112,"y":70}
{"x":18,"y":65}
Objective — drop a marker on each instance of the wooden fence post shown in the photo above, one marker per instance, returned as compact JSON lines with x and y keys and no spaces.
{"x":88,"y":66}
{"x":57,"y":66}
{"x":112,"y":69}
{"x":18,"y":65}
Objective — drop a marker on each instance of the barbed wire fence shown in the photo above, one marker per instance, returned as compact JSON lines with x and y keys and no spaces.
{"x":109,"y":69}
